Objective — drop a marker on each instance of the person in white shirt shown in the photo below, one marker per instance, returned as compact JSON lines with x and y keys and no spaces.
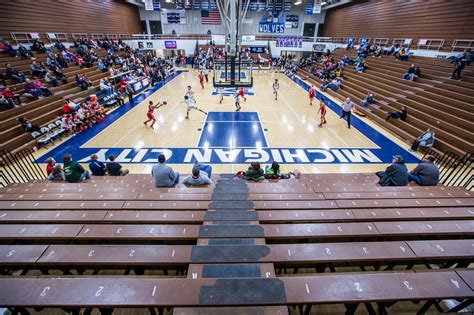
{"x":191,"y":104}
{"x":276,"y":87}
{"x":237,"y":100}
{"x":220,"y":92}
{"x":190,"y":94}
{"x":347,"y":107}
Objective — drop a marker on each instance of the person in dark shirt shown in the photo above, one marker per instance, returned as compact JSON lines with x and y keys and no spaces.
{"x":114,"y":168}
{"x":97,"y":167}
{"x":459,"y":64}
{"x":401,"y":114}
{"x":412,"y":73}
{"x":73,"y":171}
{"x":396,"y":174}
{"x":426,"y":173}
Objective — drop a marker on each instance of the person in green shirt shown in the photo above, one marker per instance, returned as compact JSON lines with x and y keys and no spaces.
{"x":273,"y":171}
{"x":255,"y":172}
{"x":73,"y":171}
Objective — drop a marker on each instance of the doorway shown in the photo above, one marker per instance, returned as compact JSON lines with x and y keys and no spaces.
{"x":308,"y":29}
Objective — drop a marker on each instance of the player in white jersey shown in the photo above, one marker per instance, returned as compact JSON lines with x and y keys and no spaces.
{"x":276,"y":87}
{"x":237,"y":99}
{"x":220,"y":92}
{"x":191,"y":104}
{"x":190,"y":94}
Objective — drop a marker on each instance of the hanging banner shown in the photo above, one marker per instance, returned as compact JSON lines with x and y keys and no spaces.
{"x":271,"y":22}
{"x":248,"y":39}
{"x":149,"y":5}
{"x":218,"y":39}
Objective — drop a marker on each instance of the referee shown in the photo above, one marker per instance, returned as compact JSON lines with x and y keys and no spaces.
{"x":347,"y":107}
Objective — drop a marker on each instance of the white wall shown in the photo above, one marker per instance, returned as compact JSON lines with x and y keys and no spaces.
{"x":194,"y":25}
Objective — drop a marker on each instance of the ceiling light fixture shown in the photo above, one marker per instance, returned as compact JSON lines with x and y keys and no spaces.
{"x":298,"y":2}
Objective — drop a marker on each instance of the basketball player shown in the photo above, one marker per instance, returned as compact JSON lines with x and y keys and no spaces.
{"x":312,"y":92}
{"x":201,"y":79}
{"x":190,"y":94}
{"x":149,"y":113}
{"x":220,"y":92}
{"x":322,"y":112}
{"x":276,"y":87}
{"x":237,"y":100}
{"x":242,"y":94}
{"x":191,"y":105}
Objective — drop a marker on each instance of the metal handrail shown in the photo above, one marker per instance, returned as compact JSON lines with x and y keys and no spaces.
{"x":19,"y":167}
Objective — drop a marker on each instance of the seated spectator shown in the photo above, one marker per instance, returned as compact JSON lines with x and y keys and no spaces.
{"x":38,"y":46}
{"x":426,"y":173}
{"x":401,"y":114}
{"x":59,"y":46}
{"x":11,"y":97}
{"x":14,"y":74}
{"x":105,"y":87}
{"x":5,"y":103}
{"x":97,"y":167}
{"x":400,"y":54}
{"x":395,"y":175}
{"x":102,"y":66}
{"x":50,"y":163}
{"x":40,"y":86}
{"x":51,"y":78}
{"x":73,"y":171}
{"x":24,"y":52}
{"x":69,"y":106}
{"x":361,"y":66}
{"x":197,"y":178}
{"x":369,"y":99}
{"x":412,"y":73}
{"x":426,"y":139}
{"x":163,"y":174}
{"x":31,"y":90}
{"x":273,"y":171}
{"x":255,"y":172}
{"x":8,"y":49}
{"x":339,"y":74}
{"x":81,"y":82}
{"x":62,"y":62}
{"x":37,"y":70}
{"x":60,"y":75}
{"x":51,"y":61}
{"x":324,"y":85}
{"x":114,"y":168}
{"x":57,"y":173}
{"x":27,"y":125}
{"x":334,"y":85}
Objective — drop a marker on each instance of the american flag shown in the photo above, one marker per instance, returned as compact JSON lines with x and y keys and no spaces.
{"x":211,"y":17}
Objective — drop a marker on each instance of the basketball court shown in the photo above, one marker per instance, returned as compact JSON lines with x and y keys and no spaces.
{"x":265,"y":130}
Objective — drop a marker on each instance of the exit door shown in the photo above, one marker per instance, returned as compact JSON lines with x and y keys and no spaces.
{"x":308,"y":29}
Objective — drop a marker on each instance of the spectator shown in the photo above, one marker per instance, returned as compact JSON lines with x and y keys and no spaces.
{"x":37,"y":70}
{"x":395,"y":175}
{"x":6,"y":103}
{"x":273,"y":171}
{"x":24,"y":52}
{"x":114,"y":168}
{"x":60,"y":75}
{"x":369,"y":99}
{"x":426,"y":139}
{"x":27,"y":125}
{"x":205,"y":168}
{"x":11,"y":97}
{"x":97,"y":167}
{"x":347,"y":107}
{"x":7,"y":48}
{"x":412,"y":73}
{"x":50,"y":163}
{"x":40,"y":86}
{"x":31,"y":90}
{"x":57,"y":173}
{"x":73,"y":171}
{"x":51,"y":78}
{"x":426,"y":173}
{"x":254,"y":172}
{"x":361,"y":66}
{"x":14,"y":74}
{"x":197,"y":178}
{"x":81,"y":82}
{"x":163,"y":174}
{"x":70,"y":106}
{"x":401,"y":114}
{"x":105,"y":87}
{"x":459,"y":64}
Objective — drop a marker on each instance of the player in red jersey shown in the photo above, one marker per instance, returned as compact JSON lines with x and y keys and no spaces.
{"x":242,"y":94}
{"x":312,"y":92}
{"x":322,"y":112}
{"x":201,"y":79}
{"x":149,"y":113}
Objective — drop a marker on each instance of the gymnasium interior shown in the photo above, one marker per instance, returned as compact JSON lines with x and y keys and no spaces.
{"x":236,"y":157}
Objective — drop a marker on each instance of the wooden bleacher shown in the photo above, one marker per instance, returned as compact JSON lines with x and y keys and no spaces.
{"x":433,"y":100}
{"x":298,"y":243}
{"x":45,"y":110}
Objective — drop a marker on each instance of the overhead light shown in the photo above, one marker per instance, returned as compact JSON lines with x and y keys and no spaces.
{"x":298,"y":2}
{"x":323,"y":3}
